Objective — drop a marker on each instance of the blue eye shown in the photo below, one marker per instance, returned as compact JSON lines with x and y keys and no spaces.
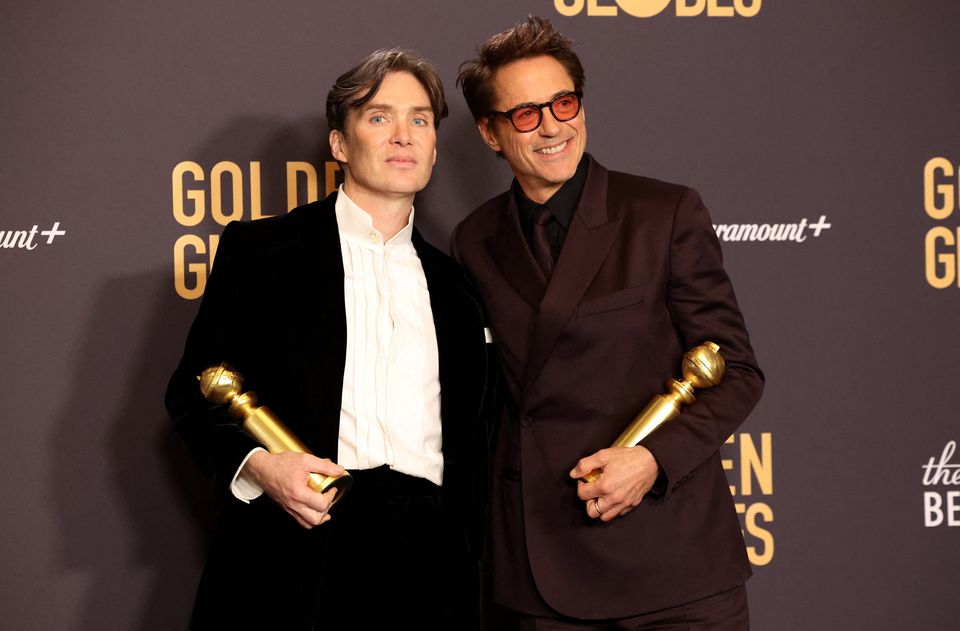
{"x":379,"y":118}
{"x":419,"y":122}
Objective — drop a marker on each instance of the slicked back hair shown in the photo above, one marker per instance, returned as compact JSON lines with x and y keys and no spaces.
{"x":532,"y":38}
{"x":369,"y":74}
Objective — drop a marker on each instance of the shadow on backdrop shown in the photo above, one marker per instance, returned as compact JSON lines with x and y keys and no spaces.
{"x":132,"y":506}
{"x":135,"y":514}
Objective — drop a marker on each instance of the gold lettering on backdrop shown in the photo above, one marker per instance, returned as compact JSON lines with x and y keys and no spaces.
{"x":293,"y":187}
{"x":689,"y":8}
{"x":568,"y":7}
{"x":225,"y":186}
{"x":756,"y":465}
{"x":718,"y":8}
{"x":216,"y":192}
{"x":331,"y":182}
{"x":595,"y":9}
{"x":651,"y":8}
{"x":713,"y":8}
{"x":747,"y":9}
{"x":190,"y":279}
{"x":753,"y":464}
{"x":943,"y":208}
{"x":255,"y":198}
{"x":942,"y":266}
{"x":941,"y":246}
{"x":755,"y":516}
{"x":195,"y":215}
{"x":197,"y":271}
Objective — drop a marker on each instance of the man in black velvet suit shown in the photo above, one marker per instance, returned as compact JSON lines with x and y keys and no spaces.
{"x":370,"y":345}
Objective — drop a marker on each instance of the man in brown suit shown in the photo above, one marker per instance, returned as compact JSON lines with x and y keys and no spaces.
{"x":596,"y":283}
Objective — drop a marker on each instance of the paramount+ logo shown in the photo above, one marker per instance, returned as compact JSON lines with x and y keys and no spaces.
{"x":650,"y":8}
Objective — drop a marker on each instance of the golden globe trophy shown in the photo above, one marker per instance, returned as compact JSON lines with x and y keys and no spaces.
{"x":702,"y":368}
{"x":223,"y":385}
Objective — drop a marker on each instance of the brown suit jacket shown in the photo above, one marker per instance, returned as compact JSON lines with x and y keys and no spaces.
{"x":639,"y":280}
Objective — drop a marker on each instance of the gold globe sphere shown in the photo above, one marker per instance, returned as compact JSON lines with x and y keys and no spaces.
{"x":220,"y":384}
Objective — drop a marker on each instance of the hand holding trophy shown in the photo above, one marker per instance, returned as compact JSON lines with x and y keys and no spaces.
{"x":223,"y":385}
{"x":703,"y":367}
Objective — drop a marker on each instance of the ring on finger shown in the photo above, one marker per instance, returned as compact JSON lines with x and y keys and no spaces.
{"x":596,"y":506}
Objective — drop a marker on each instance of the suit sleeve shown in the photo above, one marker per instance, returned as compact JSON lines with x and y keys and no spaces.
{"x":704,"y":308}
{"x":217,"y":442}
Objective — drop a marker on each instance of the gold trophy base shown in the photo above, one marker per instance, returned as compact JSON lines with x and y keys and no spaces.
{"x":323,"y":483}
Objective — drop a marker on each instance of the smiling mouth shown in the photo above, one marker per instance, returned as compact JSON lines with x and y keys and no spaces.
{"x":554,"y":149}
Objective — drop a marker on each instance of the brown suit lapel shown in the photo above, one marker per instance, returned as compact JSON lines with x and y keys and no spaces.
{"x":510,"y":252}
{"x":585,"y":248}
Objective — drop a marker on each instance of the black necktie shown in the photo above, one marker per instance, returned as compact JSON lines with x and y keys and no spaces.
{"x":540,"y":241}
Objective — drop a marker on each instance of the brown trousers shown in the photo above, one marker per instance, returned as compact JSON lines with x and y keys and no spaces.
{"x":726,"y":611}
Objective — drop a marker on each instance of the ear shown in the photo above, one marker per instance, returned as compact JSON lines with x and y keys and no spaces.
{"x":434,"y":155}
{"x":485,"y":127}
{"x":338,"y":148}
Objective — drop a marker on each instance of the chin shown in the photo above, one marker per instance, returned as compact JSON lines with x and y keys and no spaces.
{"x":562,"y":175}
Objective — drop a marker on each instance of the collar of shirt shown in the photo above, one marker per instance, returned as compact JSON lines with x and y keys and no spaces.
{"x":562,"y":204}
{"x":356,"y":224}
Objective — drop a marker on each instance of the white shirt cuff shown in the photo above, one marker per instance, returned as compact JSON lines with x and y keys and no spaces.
{"x":242,"y":487}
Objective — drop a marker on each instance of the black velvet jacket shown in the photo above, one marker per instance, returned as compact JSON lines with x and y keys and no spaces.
{"x":274,"y":308}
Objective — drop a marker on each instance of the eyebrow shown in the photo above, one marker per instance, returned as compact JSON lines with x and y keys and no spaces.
{"x":391,"y":108}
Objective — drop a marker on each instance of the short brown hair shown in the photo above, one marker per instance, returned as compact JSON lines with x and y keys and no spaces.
{"x":532,"y":38}
{"x":369,"y":74}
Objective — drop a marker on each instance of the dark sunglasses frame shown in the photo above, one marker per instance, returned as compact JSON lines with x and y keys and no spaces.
{"x":539,"y":107}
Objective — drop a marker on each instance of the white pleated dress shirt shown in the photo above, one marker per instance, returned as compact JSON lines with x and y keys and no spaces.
{"x":390,"y":410}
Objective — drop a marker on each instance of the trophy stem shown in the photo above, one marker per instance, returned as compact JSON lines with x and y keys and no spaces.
{"x":703,"y":367}
{"x":267,"y":429}
{"x":661,"y":409}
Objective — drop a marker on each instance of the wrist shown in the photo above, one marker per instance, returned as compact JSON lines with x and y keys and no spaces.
{"x":256,"y":466}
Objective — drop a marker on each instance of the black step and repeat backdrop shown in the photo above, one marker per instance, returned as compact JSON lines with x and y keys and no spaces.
{"x":823,"y":135}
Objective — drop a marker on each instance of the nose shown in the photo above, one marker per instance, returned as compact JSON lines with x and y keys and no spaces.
{"x":549,"y":126}
{"x":401,"y":133}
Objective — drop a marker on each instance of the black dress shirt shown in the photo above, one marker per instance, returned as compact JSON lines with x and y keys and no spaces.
{"x":562,"y":205}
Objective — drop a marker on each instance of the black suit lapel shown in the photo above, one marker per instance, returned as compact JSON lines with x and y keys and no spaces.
{"x":317,"y":313}
{"x":458,"y":322}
